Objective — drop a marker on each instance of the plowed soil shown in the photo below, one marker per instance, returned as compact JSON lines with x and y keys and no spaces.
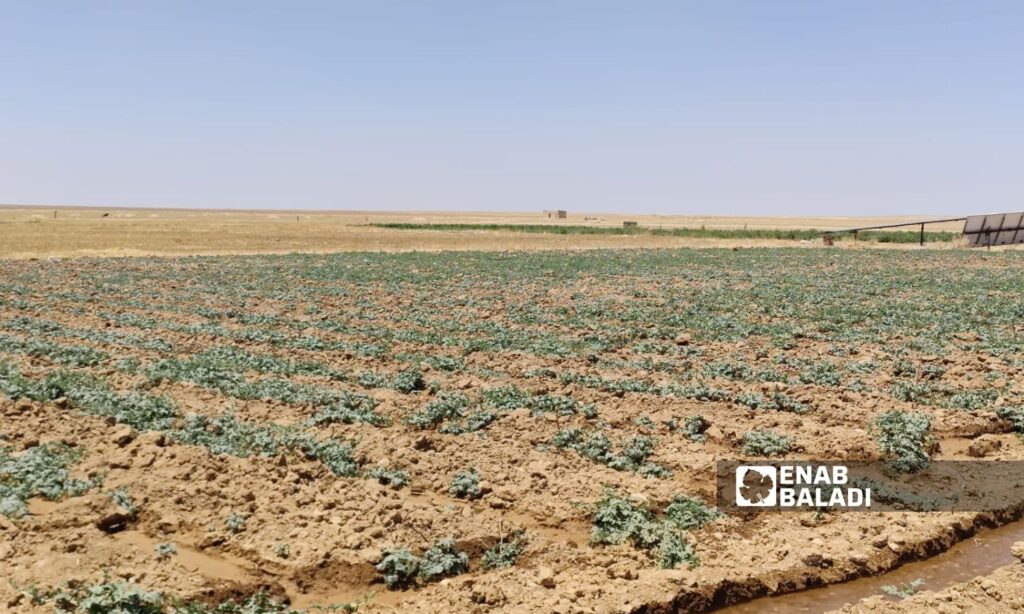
{"x":625,"y":343}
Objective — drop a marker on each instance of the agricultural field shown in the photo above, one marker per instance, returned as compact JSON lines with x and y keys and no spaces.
{"x":488,"y":431}
{"x":36,"y":231}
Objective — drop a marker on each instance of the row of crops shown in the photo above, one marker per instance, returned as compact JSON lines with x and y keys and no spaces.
{"x":311,"y":356}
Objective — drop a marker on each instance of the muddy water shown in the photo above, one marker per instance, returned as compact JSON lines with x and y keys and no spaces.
{"x":193,"y":560}
{"x":968,"y":559}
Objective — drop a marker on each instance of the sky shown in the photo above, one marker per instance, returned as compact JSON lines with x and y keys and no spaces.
{"x":720,"y":107}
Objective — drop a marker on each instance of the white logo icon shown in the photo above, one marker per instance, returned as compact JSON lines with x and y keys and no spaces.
{"x":756,"y":486}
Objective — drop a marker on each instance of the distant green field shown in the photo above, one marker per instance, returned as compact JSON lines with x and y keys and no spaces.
{"x":881,"y":236}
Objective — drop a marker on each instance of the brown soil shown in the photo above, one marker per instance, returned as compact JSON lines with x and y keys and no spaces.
{"x":335,"y":528}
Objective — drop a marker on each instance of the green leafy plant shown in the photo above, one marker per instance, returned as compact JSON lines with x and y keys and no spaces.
{"x":762,"y":442}
{"x":165,"y":550}
{"x":1014,"y":415}
{"x":408,"y":381}
{"x":695,"y":426}
{"x":118,"y":597}
{"x":476,"y":420}
{"x":686,"y":512}
{"x":351,"y":409}
{"x":505,"y":398}
{"x":596,"y":446}
{"x":673,"y":549}
{"x":236,"y":522}
{"x":258,"y":603}
{"x":504,"y":553}
{"x":443,"y":560}
{"x":905,"y":440}
{"x":395,"y":478}
{"x":904,"y":590}
{"x":466,"y":484}
{"x":398,"y":567}
{"x":447,"y":406}
{"x":123,"y":499}
{"x":107,"y":597}
{"x":42,"y":471}
{"x":618,"y":519}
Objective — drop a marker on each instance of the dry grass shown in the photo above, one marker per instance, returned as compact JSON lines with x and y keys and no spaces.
{"x":27,"y":232}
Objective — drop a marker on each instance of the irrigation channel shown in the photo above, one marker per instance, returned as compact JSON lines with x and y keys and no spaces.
{"x":978,"y":555}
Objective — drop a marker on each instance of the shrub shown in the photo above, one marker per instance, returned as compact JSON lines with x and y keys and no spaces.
{"x":466,"y":484}
{"x":443,"y":560}
{"x":398,"y":567}
{"x":762,"y":442}
{"x":905,"y":440}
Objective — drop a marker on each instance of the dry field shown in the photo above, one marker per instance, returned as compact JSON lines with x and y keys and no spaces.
{"x":39,"y":232}
{"x":487,"y":431}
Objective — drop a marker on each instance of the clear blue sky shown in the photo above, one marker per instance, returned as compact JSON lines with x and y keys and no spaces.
{"x":778,"y":107}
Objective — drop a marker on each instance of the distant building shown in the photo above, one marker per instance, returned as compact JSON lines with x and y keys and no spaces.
{"x":628,"y":224}
{"x":560,"y":214}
